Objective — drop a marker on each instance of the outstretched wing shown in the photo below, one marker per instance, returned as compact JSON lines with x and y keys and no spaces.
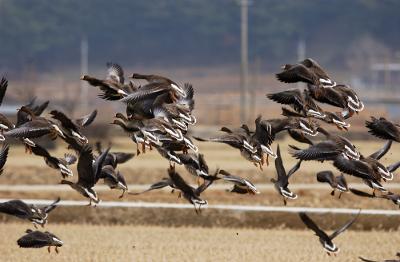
{"x":325,"y":150}
{"x":65,"y":121}
{"x":344,"y":227}
{"x":115,"y":72}
{"x":381,"y":152}
{"x":311,"y":225}
{"x":158,"y":185}
{"x":52,"y":206}
{"x":296,"y":73}
{"x":3,"y":156}
{"x":87,"y":119}
{"x":3,"y":88}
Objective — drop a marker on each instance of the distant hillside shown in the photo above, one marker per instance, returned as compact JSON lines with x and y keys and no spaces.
{"x":47,"y":33}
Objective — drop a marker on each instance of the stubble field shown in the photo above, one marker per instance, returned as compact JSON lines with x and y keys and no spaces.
{"x":144,"y":243}
{"x":126,"y":234}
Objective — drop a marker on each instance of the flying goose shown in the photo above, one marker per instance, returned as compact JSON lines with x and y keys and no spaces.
{"x":300,"y":101}
{"x":328,"y":117}
{"x":360,"y":169}
{"x":166,"y":181}
{"x":38,"y":239}
{"x":383,"y":128}
{"x":337,"y":183}
{"x":235,"y":139}
{"x":324,"y":239}
{"x":188,"y":192}
{"x":240,"y":185}
{"x":195,"y":164}
{"x":53,"y":162}
{"x":156,"y":79}
{"x":34,"y":128}
{"x":73,"y":129}
{"x":353,"y":102}
{"x":37,"y":215}
{"x":307,"y":71}
{"x":386,"y":260}
{"x":348,"y":148}
{"x":282,"y":182}
{"x":113,"y":87}
{"x":89,"y":170}
{"x":3,"y":157}
{"x":114,"y":179}
{"x":395,"y":198}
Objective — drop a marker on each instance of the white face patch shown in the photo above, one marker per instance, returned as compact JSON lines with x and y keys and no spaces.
{"x":316,"y":114}
{"x":331,"y":248}
{"x":65,"y":170}
{"x":122,"y":92}
{"x":251,"y":187}
{"x":352,"y":153}
{"x":179,"y":124}
{"x":93,"y":196}
{"x":268,"y":150}
{"x":29,"y":142}
{"x":307,"y":130}
{"x":341,"y":123}
{"x":185,"y":117}
{"x":256,"y":158}
{"x":201,"y":173}
{"x":287,"y":194}
{"x":385,"y":173}
{"x":58,"y":131}
{"x":179,"y":90}
{"x":58,"y":241}
{"x":249,"y":147}
{"x":341,"y":188}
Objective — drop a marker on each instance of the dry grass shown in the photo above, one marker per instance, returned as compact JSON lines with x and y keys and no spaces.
{"x":127,"y":243}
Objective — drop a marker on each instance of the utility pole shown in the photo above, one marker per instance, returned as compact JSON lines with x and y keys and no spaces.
{"x":301,"y":55}
{"x":244,"y":66}
{"x":84,"y":71}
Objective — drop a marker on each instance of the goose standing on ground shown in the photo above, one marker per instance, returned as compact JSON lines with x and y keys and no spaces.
{"x":89,"y":170}
{"x":324,"y":239}
{"x":282,"y":182}
{"x":37,"y":215}
{"x":38,"y":239}
{"x":337,"y":183}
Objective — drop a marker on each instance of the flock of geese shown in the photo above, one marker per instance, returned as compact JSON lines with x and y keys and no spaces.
{"x":158,"y":116}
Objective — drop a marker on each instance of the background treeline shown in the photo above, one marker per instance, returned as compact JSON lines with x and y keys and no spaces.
{"x":47,"y":34}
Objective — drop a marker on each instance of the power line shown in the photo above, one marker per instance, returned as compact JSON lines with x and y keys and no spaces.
{"x":244,"y":65}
